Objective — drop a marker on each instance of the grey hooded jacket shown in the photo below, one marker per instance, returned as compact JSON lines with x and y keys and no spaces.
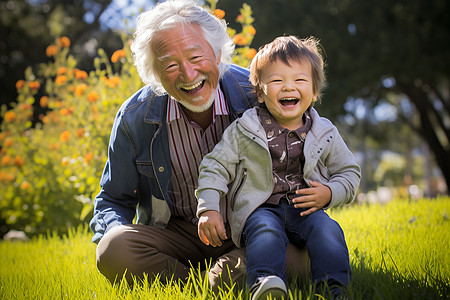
{"x":238,"y":172}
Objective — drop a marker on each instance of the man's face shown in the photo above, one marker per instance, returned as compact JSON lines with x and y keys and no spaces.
{"x":186,"y":66}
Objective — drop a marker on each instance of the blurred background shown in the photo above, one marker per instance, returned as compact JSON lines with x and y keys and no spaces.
{"x":388,"y":71}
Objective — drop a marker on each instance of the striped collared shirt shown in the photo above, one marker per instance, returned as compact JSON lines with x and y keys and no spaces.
{"x":188,"y":143}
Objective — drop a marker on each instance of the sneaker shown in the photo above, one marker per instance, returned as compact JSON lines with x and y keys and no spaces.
{"x":269,"y":285}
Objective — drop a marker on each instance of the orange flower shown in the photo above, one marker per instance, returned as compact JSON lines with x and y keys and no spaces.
{"x":24,"y":185}
{"x":88,"y":157}
{"x":34,"y":85}
{"x":51,"y":50}
{"x":219,"y":13}
{"x":6,"y":176}
{"x":20,"y":84}
{"x":65,"y":161}
{"x":251,"y":30}
{"x":19,"y":161}
{"x":63,"y":42}
{"x":25,"y":106}
{"x":54,"y":146}
{"x":6,"y":160}
{"x":80,"y":74}
{"x":64,"y":112}
{"x":79,"y":90}
{"x":92,"y":96}
{"x":8,"y":142}
{"x":60,"y":79}
{"x":240,"y":18}
{"x":43,"y":102}
{"x":61,"y":70}
{"x":10,"y":116}
{"x":117,"y":55}
{"x":113,"y":81}
{"x":240,"y":40}
{"x":64,"y":137}
{"x":80,"y":132}
{"x":250,"y":53}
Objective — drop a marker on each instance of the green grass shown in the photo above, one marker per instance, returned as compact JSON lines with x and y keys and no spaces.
{"x":398,"y":251}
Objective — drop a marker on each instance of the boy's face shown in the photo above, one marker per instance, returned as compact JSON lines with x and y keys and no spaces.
{"x":287,"y":91}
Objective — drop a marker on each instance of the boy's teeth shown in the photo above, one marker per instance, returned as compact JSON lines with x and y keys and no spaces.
{"x":289,"y":99}
{"x":192,"y":86}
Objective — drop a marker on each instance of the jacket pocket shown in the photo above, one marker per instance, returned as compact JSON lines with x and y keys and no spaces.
{"x":323,"y":171}
{"x":240,"y":183}
{"x":145,"y":168}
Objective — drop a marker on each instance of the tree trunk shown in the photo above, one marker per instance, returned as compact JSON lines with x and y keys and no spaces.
{"x":431,"y":124}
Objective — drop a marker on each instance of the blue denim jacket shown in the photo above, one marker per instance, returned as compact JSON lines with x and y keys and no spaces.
{"x":137,"y":174}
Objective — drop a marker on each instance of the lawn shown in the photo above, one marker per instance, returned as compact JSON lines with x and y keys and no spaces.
{"x":399,"y":250}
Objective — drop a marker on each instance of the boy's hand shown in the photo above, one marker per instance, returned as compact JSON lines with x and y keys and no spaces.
{"x":314,"y":198}
{"x":211,"y":229}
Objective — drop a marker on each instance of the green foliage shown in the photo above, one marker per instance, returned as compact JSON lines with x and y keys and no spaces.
{"x":397,"y":251}
{"x":49,"y":171}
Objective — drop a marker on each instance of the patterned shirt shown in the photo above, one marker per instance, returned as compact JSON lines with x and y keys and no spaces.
{"x":188,"y":143}
{"x":286,"y":150}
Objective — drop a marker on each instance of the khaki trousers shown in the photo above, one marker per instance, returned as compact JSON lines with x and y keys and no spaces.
{"x":170,"y":252}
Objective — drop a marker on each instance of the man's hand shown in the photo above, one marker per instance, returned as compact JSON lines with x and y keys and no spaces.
{"x":314,"y":198}
{"x":211,"y":229}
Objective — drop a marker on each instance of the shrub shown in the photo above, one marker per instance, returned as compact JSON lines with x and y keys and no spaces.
{"x":49,"y":171}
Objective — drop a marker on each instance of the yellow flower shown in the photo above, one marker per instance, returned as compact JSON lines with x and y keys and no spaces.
{"x":117,"y":55}
{"x":51,"y":50}
{"x":219,"y":13}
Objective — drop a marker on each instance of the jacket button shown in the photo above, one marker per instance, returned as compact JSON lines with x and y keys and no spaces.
{"x":161,"y":169}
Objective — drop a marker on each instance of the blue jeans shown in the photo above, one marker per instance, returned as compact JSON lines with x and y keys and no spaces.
{"x":268,"y":230}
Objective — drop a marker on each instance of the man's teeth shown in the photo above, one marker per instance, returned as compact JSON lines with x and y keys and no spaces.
{"x":188,"y":88}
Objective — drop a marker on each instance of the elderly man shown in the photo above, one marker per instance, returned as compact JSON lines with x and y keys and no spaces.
{"x":159,"y":136}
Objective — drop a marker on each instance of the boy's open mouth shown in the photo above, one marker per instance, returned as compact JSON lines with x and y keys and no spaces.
{"x":192,"y":89}
{"x":289,"y":101}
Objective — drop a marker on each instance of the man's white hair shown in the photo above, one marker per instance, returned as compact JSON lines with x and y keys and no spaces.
{"x":170,"y":14}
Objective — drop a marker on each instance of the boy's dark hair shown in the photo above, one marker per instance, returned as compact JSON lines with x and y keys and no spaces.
{"x":288,"y":48}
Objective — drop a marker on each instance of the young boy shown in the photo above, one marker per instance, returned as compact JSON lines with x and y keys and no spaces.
{"x":275,"y":171}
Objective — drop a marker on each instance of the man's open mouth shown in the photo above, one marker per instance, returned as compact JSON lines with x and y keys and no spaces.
{"x":192,"y":89}
{"x":289,"y":101}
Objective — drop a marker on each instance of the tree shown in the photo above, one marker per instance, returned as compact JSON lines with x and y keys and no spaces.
{"x":390,"y":51}
{"x":28,"y":27}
